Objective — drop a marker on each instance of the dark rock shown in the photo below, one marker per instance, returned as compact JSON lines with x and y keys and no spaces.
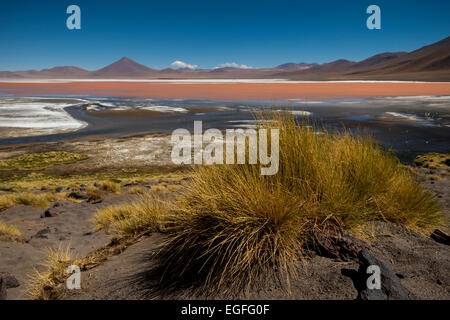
{"x":42,"y":233}
{"x":342,"y":247}
{"x":440,"y":237}
{"x":391,"y":287}
{"x":50,"y":212}
{"x":57,"y":204}
{"x":3,"y":294}
{"x":97,"y":201}
{"x":78,"y":196}
{"x":10,"y":280}
{"x":59,"y":189}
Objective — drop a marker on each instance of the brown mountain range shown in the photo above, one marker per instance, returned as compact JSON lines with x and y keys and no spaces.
{"x":431,"y":63}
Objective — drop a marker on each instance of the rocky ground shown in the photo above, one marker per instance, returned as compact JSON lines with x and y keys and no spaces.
{"x":418,"y":262}
{"x":421,"y":264}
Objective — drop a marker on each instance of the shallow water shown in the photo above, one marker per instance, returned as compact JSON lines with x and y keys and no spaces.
{"x":409,"y":125}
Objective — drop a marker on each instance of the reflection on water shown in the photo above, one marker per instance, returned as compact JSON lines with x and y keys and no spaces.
{"x":409,"y":125}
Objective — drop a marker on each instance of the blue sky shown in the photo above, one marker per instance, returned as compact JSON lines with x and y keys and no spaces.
{"x":264,"y":33}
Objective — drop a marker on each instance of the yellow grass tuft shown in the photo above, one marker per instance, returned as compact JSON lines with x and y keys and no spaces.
{"x":42,"y":283}
{"x":158,"y":189}
{"x":110,"y":186}
{"x":146,"y":214}
{"x":9,"y":233}
{"x":39,"y":200}
{"x":94,"y":193}
{"x":137,"y":190}
{"x":233,"y":227}
{"x":433,"y":160}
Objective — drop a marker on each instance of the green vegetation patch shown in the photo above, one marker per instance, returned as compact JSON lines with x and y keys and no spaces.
{"x":41,"y":160}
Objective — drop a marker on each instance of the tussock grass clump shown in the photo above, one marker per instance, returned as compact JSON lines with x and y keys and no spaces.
{"x":137,"y":190}
{"x":147,"y":213}
{"x":94,"y":193}
{"x":39,"y":200}
{"x":6,"y":201}
{"x":158,"y":189}
{"x":46,"y":283}
{"x":41,"y":160}
{"x":234,"y":226}
{"x":110,"y":186}
{"x":9,"y":233}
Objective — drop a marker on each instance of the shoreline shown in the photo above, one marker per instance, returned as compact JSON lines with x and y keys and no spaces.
{"x":230,"y":90}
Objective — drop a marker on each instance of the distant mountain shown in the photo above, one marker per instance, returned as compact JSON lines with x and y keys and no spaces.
{"x":70,"y":70}
{"x":338,"y":65}
{"x":296,"y":66}
{"x":56,"y":72}
{"x":379,"y":59}
{"x":125,"y":67}
{"x":431,"y":63}
{"x":429,"y":58}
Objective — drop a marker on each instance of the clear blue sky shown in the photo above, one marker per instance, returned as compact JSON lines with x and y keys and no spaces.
{"x":263,"y":33}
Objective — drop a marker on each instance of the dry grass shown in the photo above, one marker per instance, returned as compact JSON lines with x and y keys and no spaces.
{"x":110,"y":186}
{"x":94,"y":193}
{"x":49,"y":283}
{"x":9,"y":233}
{"x":146,"y":214}
{"x":46,"y":284}
{"x":35,"y":181}
{"x":233,"y":226}
{"x":434,"y":177}
{"x":158,"y":189}
{"x":137,"y":190}
{"x":433,"y":160}
{"x":39,"y":200}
